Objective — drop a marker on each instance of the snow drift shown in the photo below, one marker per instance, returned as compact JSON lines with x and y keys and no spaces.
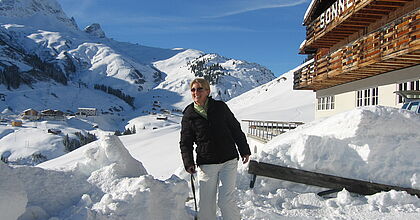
{"x":105,"y":183}
{"x":378,"y":144}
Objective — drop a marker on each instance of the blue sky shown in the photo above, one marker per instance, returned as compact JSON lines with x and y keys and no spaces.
{"x":267,"y":32}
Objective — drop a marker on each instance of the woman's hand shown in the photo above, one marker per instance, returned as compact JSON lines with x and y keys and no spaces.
{"x":245,"y":159}
{"x":191,"y":169}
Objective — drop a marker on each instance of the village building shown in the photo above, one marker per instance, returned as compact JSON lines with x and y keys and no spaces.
{"x":360,"y":52}
{"x":30,"y":114}
{"x":50,"y":114}
{"x":7,"y":114}
{"x":16,"y":123}
{"x":87,"y":111}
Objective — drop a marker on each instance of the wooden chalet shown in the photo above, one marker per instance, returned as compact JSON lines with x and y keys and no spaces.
{"x":50,"y":114}
{"x":30,"y":114}
{"x":360,"y":52}
{"x":87,"y":111}
{"x":16,"y":123}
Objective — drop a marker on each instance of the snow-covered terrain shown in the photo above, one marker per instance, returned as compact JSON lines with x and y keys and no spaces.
{"x":140,"y":176}
{"x":41,"y":44}
{"x":47,"y":62}
{"x":107,"y":179}
{"x":276,"y":100}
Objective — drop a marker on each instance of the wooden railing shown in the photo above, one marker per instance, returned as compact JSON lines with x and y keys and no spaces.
{"x":266,"y":130}
{"x":392,"y":47}
{"x":322,"y":180}
{"x":356,"y":17}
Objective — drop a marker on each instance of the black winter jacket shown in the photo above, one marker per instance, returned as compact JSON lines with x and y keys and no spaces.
{"x":215,"y":136}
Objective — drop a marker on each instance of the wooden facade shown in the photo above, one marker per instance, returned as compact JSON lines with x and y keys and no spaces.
{"x":358,"y":39}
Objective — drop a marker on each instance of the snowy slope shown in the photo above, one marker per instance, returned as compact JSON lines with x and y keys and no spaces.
{"x":47,"y":62}
{"x":347,"y":144}
{"x":344,"y":145}
{"x":228,"y":77}
{"x":41,"y":44}
{"x":279,"y":101}
{"x":132,"y":176}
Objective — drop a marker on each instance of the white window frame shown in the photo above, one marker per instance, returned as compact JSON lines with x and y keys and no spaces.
{"x":367,"y":97}
{"x":326,"y":103}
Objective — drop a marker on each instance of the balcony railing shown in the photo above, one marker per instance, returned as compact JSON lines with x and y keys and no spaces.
{"x":392,"y":47}
{"x":267,"y":130}
{"x":358,"y":16}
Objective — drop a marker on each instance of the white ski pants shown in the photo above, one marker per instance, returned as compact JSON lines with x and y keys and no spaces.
{"x":209,"y":176}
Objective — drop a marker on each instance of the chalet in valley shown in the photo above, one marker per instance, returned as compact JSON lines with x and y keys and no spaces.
{"x":87,"y":111}
{"x":30,"y":114}
{"x":50,"y":114}
{"x":359,"y":53}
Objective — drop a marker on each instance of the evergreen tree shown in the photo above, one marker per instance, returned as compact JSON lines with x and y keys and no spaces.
{"x":117,"y":133}
{"x":127,"y":131}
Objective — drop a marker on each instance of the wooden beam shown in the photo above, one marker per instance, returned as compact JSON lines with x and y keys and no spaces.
{"x":362,"y":15}
{"x":374,"y":12}
{"x":380,"y":8}
{"x":397,"y":1}
{"x":389,"y":4}
{"x":322,"y":180}
{"x":356,"y":21}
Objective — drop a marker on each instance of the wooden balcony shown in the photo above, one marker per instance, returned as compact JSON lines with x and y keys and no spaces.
{"x":394,"y":46}
{"x":358,"y":17}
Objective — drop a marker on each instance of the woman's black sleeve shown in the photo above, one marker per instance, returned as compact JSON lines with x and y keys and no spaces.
{"x":186,"y":143}
{"x":237,"y":134}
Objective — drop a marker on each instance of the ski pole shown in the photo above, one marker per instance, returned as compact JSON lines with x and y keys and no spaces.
{"x":195,"y":199}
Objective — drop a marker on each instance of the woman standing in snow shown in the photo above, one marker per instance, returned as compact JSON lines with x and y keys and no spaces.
{"x":214,"y":129}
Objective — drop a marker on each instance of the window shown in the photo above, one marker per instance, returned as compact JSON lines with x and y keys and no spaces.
{"x":413,"y":85}
{"x":374,"y":98}
{"x":359,"y":101}
{"x":367,"y":97}
{"x":326,"y":103}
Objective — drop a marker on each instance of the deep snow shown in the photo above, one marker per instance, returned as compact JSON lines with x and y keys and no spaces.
{"x":102,"y":180}
{"x":140,"y":176}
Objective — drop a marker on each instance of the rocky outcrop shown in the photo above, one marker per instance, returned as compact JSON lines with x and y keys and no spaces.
{"x":95,"y":30}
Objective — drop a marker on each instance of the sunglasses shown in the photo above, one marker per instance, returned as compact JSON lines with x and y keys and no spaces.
{"x":199,"y":89}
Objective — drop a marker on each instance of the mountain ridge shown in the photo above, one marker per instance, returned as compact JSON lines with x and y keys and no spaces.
{"x":58,"y":52}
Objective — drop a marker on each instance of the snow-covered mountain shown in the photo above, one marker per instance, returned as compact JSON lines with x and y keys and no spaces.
{"x":57,"y":66}
{"x":35,"y":12}
{"x":40,"y":44}
{"x":47,"y":62}
{"x":105,"y":180}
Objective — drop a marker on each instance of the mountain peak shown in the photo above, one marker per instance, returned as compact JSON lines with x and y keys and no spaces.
{"x":29,"y":8}
{"x":95,"y":30}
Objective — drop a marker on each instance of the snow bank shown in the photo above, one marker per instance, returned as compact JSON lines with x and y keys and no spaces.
{"x":401,"y":200}
{"x":143,"y":198}
{"x":107,"y":183}
{"x":13,"y":196}
{"x":378,"y":144}
{"x":111,"y":152}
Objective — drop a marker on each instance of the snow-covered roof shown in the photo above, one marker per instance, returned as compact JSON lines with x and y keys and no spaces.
{"x":302,"y":44}
{"x":309,"y":10}
{"x":7,"y":111}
